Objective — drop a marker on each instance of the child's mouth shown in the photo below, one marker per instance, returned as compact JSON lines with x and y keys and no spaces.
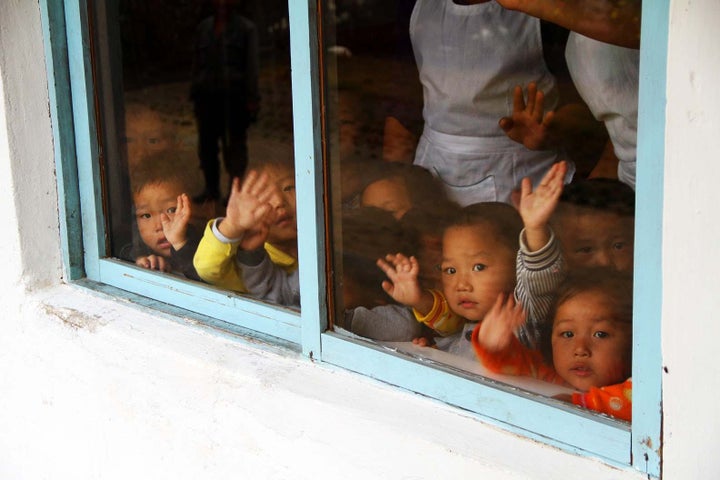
{"x":581,"y":371}
{"x":283,"y":221}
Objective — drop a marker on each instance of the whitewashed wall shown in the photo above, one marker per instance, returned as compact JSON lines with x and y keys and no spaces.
{"x":91,"y":387}
{"x":691,"y":304}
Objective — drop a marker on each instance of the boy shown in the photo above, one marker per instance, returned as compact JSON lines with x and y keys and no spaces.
{"x":595,"y":224}
{"x":260,"y":213}
{"x":478,"y":264}
{"x":368,"y":233}
{"x":162,"y":217}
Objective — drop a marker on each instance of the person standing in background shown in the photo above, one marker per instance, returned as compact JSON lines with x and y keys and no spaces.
{"x":224,"y":92}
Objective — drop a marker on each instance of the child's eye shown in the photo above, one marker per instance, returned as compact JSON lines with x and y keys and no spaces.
{"x":289,"y":188}
{"x":171,"y":210}
{"x":449,"y":270}
{"x":567,"y":334}
{"x":144,"y":216}
{"x":478,"y":267}
{"x":619,"y":245}
{"x":583,"y":250}
{"x":601,"y":335}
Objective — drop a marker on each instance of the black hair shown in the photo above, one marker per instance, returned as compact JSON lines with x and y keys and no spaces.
{"x":604,"y":194}
{"x":159,"y":167}
{"x":370,"y":233}
{"x":504,"y":220}
{"x":278,"y":161}
{"x":425,"y":191}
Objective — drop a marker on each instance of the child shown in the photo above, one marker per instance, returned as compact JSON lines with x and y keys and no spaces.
{"x":590,"y":341}
{"x":368,"y":233}
{"x":428,"y":226}
{"x":398,"y":188}
{"x":162,"y":217}
{"x":225,"y":238}
{"x":593,"y":225}
{"x":478,"y":263}
{"x":146,"y":134}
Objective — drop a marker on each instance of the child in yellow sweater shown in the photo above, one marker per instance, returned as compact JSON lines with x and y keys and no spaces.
{"x":269,"y":188}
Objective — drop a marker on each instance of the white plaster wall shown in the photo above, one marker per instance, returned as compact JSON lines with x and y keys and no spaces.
{"x":92,"y":387}
{"x":691,"y":302}
{"x":31,"y":204}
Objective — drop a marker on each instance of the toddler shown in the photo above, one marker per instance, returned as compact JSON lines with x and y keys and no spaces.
{"x":398,"y":188}
{"x":588,"y":347}
{"x":368,"y":233}
{"x":478,"y":264}
{"x":162,"y":217}
{"x":593,"y":227}
{"x":260,"y":215}
{"x":595,"y":223}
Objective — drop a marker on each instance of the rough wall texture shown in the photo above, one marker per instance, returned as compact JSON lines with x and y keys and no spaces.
{"x":29,"y":203}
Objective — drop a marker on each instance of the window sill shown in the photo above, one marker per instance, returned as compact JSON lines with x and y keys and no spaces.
{"x":118,"y":376}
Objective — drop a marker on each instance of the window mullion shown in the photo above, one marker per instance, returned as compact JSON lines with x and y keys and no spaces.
{"x":308,"y":173}
{"x":647,"y":354}
{"x":86,"y":147}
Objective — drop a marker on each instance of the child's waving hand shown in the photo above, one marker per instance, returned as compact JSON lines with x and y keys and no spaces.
{"x":249,"y":203}
{"x":175,"y":227}
{"x":537,"y":206}
{"x":403,"y":284}
{"x":498,"y":327}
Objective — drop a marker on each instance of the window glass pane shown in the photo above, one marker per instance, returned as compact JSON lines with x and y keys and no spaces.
{"x":192,"y":95}
{"x":436,"y":110}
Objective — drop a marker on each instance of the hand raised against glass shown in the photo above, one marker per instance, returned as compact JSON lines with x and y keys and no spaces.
{"x":175,"y":227}
{"x":529,"y":125}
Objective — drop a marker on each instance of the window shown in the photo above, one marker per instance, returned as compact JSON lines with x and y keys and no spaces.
{"x":93,"y":89}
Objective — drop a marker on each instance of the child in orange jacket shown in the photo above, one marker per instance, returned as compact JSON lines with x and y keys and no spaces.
{"x":589,"y":344}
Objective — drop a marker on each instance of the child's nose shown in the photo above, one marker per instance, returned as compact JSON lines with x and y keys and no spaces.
{"x":581,"y":348}
{"x":462,"y":284}
{"x":277,"y":200}
{"x":603,"y":258}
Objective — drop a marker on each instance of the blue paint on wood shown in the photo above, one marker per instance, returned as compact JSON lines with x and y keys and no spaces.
{"x":56,"y":60}
{"x":647,"y":354}
{"x":308,"y":174}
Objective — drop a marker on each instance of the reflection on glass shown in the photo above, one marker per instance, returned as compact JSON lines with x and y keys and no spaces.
{"x":482,"y":170}
{"x":196,"y":131}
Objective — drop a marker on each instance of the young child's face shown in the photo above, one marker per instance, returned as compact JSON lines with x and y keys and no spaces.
{"x":590,"y":346}
{"x":388,"y":194}
{"x":596,"y":239}
{"x":145,"y":134}
{"x":476,"y":267}
{"x":284,"y":228}
{"x":152,"y":200}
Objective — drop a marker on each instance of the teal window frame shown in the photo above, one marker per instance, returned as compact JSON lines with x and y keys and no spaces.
{"x":83,"y":243}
